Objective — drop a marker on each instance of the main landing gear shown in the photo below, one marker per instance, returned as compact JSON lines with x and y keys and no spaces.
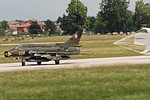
{"x":23,"y":63}
{"x":39,"y":63}
{"x":57,"y":62}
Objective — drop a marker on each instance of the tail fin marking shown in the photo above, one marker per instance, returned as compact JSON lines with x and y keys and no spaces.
{"x":74,"y":40}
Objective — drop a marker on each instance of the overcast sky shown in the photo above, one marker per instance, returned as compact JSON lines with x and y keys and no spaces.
{"x":44,"y":9}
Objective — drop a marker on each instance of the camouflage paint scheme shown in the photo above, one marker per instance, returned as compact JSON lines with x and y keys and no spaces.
{"x":46,"y":52}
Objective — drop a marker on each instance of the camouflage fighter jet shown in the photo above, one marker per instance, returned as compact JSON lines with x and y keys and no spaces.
{"x":46,"y":52}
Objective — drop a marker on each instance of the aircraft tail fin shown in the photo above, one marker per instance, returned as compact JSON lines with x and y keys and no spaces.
{"x":74,"y":40}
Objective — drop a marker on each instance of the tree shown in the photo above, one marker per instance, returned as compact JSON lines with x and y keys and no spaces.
{"x":50,"y":27}
{"x":4,"y":25}
{"x":35,"y":28}
{"x":129,"y":22}
{"x":92,"y":21}
{"x":66,"y":24}
{"x":2,"y":31}
{"x":115,"y":14}
{"x":99,"y":26}
{"x":76,"y":18}
{"x":142,"y":14}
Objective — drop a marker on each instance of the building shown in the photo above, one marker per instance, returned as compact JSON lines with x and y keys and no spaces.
{"x":13,"y":25}
{"x":24,"y":27}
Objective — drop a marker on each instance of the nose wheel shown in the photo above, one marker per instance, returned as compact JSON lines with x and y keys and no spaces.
{"x":57,"y":62}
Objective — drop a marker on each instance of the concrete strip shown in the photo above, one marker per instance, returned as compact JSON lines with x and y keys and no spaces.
{"x":76,"y":63}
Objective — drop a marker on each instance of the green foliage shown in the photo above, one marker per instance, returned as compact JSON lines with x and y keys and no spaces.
{"x":35,"y":28}
{"x":115,"y":17}
{"x":50,"y":27}
{"x":91,"y":24}
{"x":99,"y":25}
{"x":4,"y":25}
{"x":129,"y":22}
{"x":77,"y":12}
{"x":76,"y":18}
{"x":2,"y":32}
{"x":115,"y":14}
{"x":67,"y":25}
{"x":142,"y":14}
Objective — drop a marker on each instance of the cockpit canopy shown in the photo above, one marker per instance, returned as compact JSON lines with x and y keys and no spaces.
{"x":19,"y":46}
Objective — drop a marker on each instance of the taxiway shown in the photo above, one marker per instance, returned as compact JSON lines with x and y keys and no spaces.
{"x":76,"y":63}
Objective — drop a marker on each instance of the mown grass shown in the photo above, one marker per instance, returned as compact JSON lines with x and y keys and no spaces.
{"x":91,"y":46}
{"x":121,"y":82}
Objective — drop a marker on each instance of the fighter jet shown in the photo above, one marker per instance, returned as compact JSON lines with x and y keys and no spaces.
{"x":46,"y":52}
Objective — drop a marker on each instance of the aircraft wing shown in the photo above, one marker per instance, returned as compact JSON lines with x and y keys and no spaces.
{"x":15,"y":44}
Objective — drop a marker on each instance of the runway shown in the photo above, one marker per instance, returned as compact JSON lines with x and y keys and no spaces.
{"x":76,"y":63}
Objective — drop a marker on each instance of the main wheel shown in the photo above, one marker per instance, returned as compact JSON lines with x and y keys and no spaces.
{"x":39,"y":63}
{"x":23,"y":63}
{"x":57,"y":62}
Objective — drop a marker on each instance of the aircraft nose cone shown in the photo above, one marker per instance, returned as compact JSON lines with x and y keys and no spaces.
{"x":7,"y":54}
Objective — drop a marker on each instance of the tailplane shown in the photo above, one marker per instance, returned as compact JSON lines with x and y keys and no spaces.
{"x":74,"y":40}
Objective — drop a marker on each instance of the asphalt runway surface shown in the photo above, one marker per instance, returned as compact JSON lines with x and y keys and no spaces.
{"x":80,"y":63}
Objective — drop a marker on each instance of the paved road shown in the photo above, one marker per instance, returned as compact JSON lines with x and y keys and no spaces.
{"x":76,"y":63}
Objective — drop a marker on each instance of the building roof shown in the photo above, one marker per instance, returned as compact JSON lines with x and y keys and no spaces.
{"x":25,"y":25}
{"x":41,"y":23}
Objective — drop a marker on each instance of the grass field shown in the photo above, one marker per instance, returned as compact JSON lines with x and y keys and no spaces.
{"x":92,"y":46}
{"x":121,"y":82}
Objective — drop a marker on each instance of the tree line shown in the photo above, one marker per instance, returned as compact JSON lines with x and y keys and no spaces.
{"x":113,"y":16}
